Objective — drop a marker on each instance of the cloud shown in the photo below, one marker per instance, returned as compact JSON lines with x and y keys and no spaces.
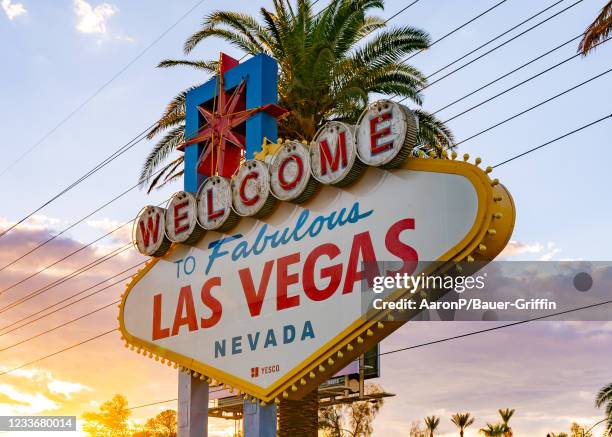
{"x":515,"y":248}
{"x":93,"y":20}
{"x":34,"y":391}
{"x":13,"y":10}
{"x":17,"y":402}
{"x":551,"y":251}
{"x":40,"y":228}
{"x":66,"y":388}
{"x":34,"y":223}
{"x":123,"y":235}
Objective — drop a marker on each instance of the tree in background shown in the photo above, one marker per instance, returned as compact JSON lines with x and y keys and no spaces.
{"x":351,"y":420}
{"x":110,"y":421}
{"x":577,"y":430}
{"x":462,"y":421}
{"x":506,"y":414}
{"x":416,"y":430}
{"x":327,"y":71}
{"x":598,"y":31}
{"x":493,"y":430}
{"x":162,"y":425}
{"x":604,"y":399}
{"x":561,"y":434}
{"x":431,"y":423}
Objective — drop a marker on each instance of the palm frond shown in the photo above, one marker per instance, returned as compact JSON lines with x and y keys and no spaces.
{"x":232,"y":37}
{"x":208,"y":66}
{"x":598,"y":31}
{"x":160,"y":152}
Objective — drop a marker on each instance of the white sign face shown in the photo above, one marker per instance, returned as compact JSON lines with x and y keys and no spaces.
{"x":258,"y":303}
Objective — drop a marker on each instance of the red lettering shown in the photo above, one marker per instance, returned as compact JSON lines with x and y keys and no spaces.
{"x":212,"y":214}
{"x":399,"y":249}
{"x":211,"y":302}
{"x":185,"y":302}
{"x":255,"y":299}
{"x":150,"y":230}
{"x":158,"y":332}
{"x":334,"y":273}
{"x":375,"y":134}
{"x":325,"y":153}
{"x":281,"y":172}
{"x":284,"y":280}
{"x":253,"y":200}
{"x":180,"y":217}
{"x":361,"y":248}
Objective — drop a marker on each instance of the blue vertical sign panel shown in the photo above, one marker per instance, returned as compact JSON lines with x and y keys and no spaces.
{"x":260,"y":74}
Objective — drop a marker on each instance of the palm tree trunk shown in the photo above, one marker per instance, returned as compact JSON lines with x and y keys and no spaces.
{"x":299,"y":418}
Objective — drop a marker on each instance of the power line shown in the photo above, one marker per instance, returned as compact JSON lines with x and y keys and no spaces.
{"x":482,"y":331}
{"x":503,"y":76}
{"x":63,"y":258}
{"x":137,"y":139}
{"x":66,"y":278}
{"x":553,"y":140}
{"x":64,"y":300}
{"x":401,"y":11}
{"x":521,"y":83}
{"x":58,"y":352}
{"x":153,"y":403}
{"x":91,"y":243}
{"x":81,"y":220}
{"x":104,"y":85}
{"x":493,"y":49}
{"x":456,"y":29}
{"x":55,"y":328}
{"x":537,"y":105}
{"x":507,"y":32}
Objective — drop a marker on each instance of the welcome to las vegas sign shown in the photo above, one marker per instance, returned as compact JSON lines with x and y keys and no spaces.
{"x":255,"y":281}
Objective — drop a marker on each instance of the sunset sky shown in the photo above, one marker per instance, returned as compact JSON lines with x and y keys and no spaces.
{"x":57,"y":54}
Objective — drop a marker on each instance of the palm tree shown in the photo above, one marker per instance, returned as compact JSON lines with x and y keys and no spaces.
{"x":462,"y":421}
{"x":326,"y":72}
{"x":561,"y":434}
{"x":431,"y":423}
{"x":506,"y":414}
{"x":495,"y":430}
{"x":599,"y":30}
{"x":604,"y":398}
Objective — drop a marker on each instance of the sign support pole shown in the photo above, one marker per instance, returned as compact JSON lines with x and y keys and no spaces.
{"x":259,"y":421}
{"x":192,"y":406}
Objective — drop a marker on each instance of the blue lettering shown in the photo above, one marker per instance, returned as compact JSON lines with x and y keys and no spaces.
{"x":191,"y":260}
{"x":236,"y":345}
{"x":253,"y":341}
{"x":288,"y":334}
{"x":270,"y":339}
{"x":219,"y":348}
{"x":216,"y":250}
{"x":244,"y":249}
{"x":308,"y":331}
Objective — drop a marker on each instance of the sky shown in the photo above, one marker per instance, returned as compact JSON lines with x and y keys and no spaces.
{"x":55,"y":55}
